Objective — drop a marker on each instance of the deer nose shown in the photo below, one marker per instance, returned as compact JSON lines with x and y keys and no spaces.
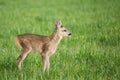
{"x":69,"y":34}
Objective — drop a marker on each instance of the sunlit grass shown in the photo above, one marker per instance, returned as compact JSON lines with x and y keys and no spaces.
{"x":91,"y":53}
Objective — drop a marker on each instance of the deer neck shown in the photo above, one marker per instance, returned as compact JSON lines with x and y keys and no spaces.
{"x":55,"y":38}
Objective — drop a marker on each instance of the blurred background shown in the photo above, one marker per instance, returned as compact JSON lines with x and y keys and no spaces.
{"x":92,"y":52}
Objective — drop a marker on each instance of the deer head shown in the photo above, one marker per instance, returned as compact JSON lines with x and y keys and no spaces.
{"x":62,"y":31}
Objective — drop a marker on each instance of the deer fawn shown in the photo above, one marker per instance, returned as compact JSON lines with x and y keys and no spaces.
{"x":45,"y":45}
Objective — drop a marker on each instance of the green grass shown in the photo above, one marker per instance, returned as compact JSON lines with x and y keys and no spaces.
{"x":92,"y":52}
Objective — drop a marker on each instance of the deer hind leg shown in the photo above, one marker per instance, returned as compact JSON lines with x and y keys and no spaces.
{"x":18,"y":43}
{"x":22,"y":56}
{"x":46,"y":63}
{"x":25,"y":50}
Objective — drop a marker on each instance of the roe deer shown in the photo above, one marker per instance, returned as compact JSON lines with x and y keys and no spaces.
{"x":45,"y":45}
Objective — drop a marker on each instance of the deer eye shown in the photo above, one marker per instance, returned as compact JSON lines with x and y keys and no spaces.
{"x":64,"y":30}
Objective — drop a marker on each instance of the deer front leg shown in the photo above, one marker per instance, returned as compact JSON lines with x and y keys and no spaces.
{"x":46,"y":63}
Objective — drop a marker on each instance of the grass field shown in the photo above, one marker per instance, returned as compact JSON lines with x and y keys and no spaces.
{"x":92,"y":52}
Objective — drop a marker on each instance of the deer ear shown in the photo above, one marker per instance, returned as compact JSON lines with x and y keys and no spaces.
{"x":57,"y":23}
{"x":60,"y":23}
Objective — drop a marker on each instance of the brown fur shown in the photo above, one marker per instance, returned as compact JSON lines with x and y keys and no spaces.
{"x":45,"y":45}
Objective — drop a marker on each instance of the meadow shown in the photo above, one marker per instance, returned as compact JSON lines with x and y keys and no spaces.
{"x":91,"y":53}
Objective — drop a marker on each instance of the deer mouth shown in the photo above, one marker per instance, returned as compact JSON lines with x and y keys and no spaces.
{"x":69,"y":34}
